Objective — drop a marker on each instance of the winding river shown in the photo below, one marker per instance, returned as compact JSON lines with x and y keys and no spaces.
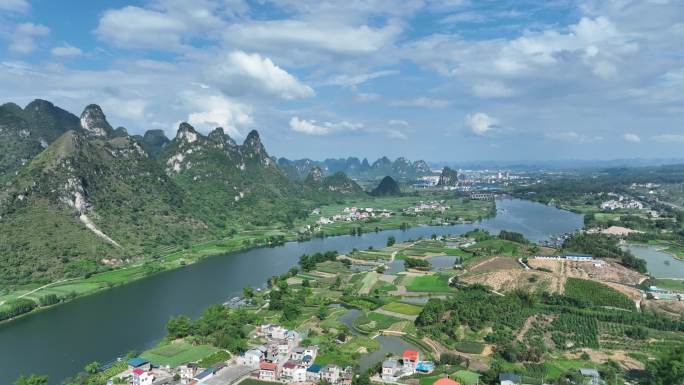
{"x":60,"y":341}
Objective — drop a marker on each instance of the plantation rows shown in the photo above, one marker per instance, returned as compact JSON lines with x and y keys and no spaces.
{"x":596,"y":294}
{"x":579,"y":330}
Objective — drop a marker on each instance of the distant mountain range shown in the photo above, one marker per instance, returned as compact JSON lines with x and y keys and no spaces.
{"x":400,"y":168}
{"x":80,"y":196}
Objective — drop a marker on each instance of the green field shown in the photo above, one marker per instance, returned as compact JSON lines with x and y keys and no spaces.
{"x":597,"y":294}
{"x":670,"y":284}
{"x":402,"y":308}
{"x":176,"y":354}
{"x":436,"y":283}
{"x":466,"y":377}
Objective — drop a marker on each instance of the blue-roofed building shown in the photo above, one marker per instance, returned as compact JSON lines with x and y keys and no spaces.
{"x":425,"y":366}
{"x":313,"y":373}
{"x":139,"y":363}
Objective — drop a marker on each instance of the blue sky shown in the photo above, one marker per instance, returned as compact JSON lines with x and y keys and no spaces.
{"x":450,"y":80}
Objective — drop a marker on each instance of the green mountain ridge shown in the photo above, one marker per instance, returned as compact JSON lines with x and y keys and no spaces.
{"x":24,"y":133}
{"x":387,"y":187}
{"x":336,"y":184}
{"x":94,"y":198}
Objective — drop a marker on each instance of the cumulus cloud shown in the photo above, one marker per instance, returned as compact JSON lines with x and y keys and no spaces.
{"x":481,"y":124}
{"x":66,"y":50}
{"x":421,"y":102}
{"x":244,"y":72}
{"x":632,"y":138}
{"x":135,"y":27}
{"x":215,"y":110}
{"x":24,"y":38}
{"x":312,"y":127}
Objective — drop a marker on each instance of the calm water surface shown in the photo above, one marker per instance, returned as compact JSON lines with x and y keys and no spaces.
{"x":659,"y":263}
{"x":61,"y":341}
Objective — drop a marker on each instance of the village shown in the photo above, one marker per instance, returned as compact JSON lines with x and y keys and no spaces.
{"x":349,"y":309}
{"x":351,"y":214}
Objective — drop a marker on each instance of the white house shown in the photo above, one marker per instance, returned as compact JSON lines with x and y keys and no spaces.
{"x":252,"y":357}
{"x":330,"y":373}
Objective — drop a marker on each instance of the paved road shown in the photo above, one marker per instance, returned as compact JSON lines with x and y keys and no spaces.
{"x":229,"y":375}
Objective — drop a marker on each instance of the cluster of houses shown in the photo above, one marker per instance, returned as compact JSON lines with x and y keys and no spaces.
{"x":621,"y":202}
{"x":410,"y":363}
{"x":351,"y":214}
{"x":139,"y":372}
{"x":438,"y":206}
{"x":281,"y":359}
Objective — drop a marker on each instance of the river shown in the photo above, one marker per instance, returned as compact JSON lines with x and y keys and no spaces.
{"x":659,"y":263}
{"x":60,"y":341}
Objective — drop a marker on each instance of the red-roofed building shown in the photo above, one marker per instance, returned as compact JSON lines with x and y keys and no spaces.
{"x":445,"y":381}
{"x":268,"y":371}
{"x":411,"y":358}
{"x":141,"y":377}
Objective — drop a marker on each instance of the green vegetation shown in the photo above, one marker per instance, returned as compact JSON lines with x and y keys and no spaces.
{"x":417,"y":264}
{"x":469,"y":347}
{"x":177,"y":353}
{"x":596,"y":294}
{"x":402,"y":308}
{"x":435,"y":283}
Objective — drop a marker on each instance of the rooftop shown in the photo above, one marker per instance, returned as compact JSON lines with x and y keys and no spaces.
{"x":445,"y":381}
{"x":137,"y":361}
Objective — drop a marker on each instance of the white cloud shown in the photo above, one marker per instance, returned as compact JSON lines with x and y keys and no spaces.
{"x":126,"y":109}
{"x":24,"y":38}
{"x":669,"y":138}
{"x":243,"y":72}
{"x":355,"y":80}
{"x":367,"y":97}
{"x":312,"y":127}
{"x":397,"y":122}
{"x":492,"y":89}
{"x":421,"y":102}
{"x":215,"y":110}
{"x":396,"y":134}
{"x":481,"y":124}
{"x":571,"y":136}
{"x":18,"y":6}
{"x":326,"y":36}
{"x":632,"y":138}
{"x":66,"y":50}
{"x":135,"y":27}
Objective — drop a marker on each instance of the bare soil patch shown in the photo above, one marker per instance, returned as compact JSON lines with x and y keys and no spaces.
{"x":507,"y":280}
{"x":495,"y":264}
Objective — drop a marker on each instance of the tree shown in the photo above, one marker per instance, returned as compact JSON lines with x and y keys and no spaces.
{"x":248,"y":292}
{"x":391,"y":240}
{"x":322,"y":313}
{"x":179,"y":327}
{"x":668,"y":369}
{"x":92,"y":367}
{"x":361,"y":379}
{"x":33,"y":379}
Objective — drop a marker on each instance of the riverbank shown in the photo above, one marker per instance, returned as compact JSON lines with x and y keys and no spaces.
{"x":89,"y":325}
{"x":68,"y":290}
